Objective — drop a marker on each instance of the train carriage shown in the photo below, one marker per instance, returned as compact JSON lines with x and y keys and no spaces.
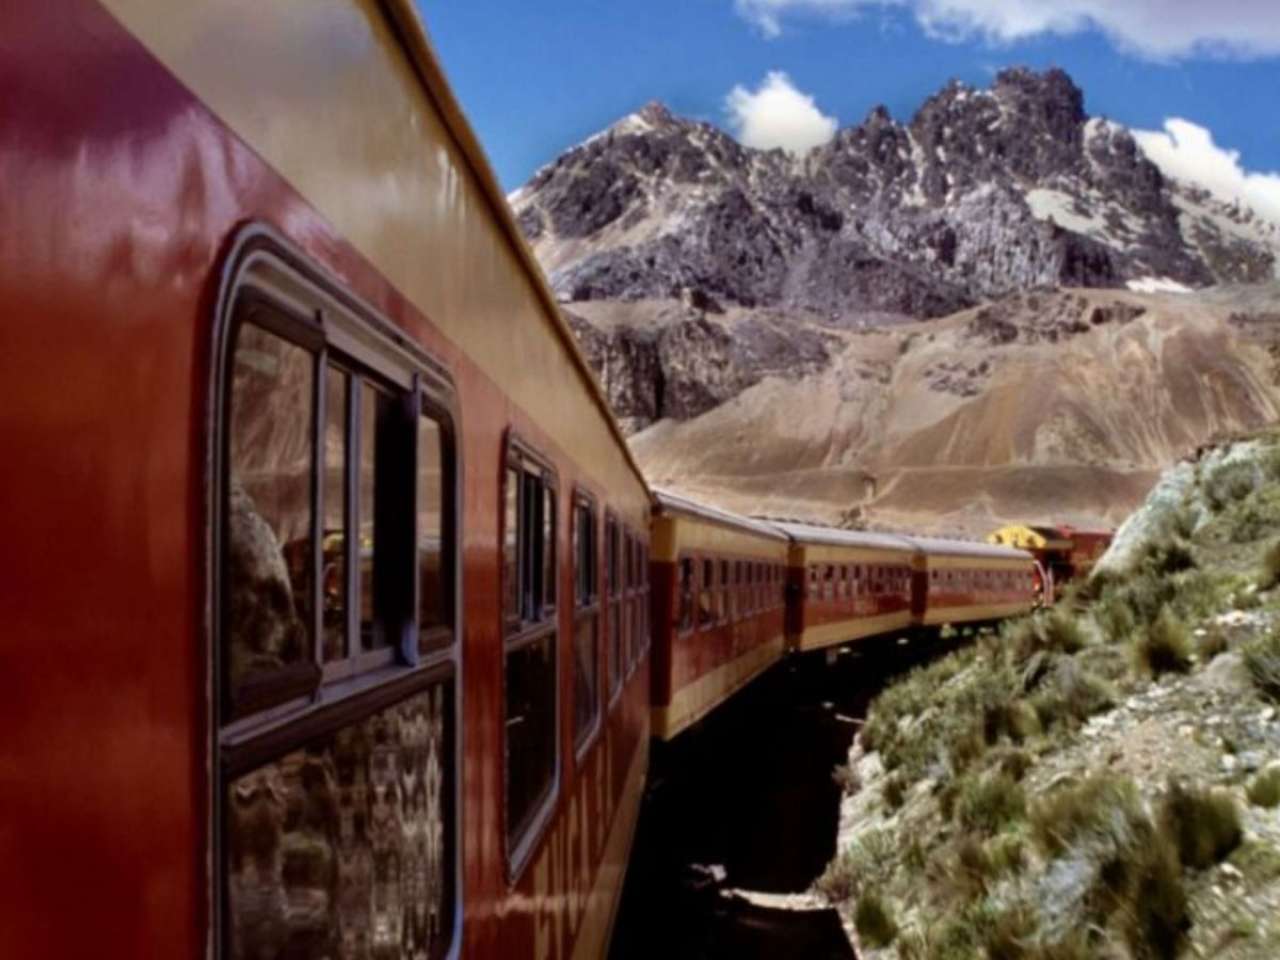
{"x":960,"y":582}
{"x":328,"y":632}
{"x":718,"y":607}
{"x":846,"y":585}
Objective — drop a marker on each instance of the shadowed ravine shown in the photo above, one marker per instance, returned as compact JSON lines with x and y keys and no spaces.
{"x":746,"y":802}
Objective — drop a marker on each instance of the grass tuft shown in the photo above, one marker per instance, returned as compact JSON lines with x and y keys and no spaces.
{"x":1269,"y":576}
{"x":1165,"y":647}
{"x":1229,"y":483}
{"x":1212,"y":643}
{"x":1157,"y":919}
{"x":1262,"y":657}
{"x":873,"y":920}
{"x":1264,"y":791}
{"x":846,"y":778}
{"x":1204,"y":824}
{"x":990,"y":803}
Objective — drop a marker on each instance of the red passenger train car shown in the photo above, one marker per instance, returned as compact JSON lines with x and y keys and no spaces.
{"x":846,"y":585}
{"x":718,"y":607}
{"x":326,"y":603}
{"x":960,"y":582}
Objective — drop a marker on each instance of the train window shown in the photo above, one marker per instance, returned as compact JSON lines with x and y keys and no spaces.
{"x":435,"y":520}
{"x":639,"y":603}
{"x":550,"y":573}
{"x":722,"y":597}
{"x":613,"y":549}
{"x":267,"y":570}
{"x":334,"y":525}
{"x":586,"y":643}
{"x":684,"y":618}
{"x":706,"y":595}
{"x":646,"y":629}
{"x":510,"y":548}
{"x":530,"y":660}
{"x":325,"y":470}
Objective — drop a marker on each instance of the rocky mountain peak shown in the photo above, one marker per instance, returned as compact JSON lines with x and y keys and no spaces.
{"x":984,"y":193}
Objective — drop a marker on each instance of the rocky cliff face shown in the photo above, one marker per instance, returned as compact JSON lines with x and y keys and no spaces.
{"x":983,"y":193}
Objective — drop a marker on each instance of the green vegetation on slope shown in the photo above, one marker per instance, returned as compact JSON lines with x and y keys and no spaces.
{"x":1062,"y":789}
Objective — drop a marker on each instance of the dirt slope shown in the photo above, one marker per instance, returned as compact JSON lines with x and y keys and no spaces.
{"x":1043,"y":406}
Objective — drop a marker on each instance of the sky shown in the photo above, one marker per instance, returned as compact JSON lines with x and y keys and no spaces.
{"x":1199,"y":80}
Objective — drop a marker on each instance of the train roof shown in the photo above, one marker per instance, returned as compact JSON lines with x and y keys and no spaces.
{"x":666,"y":500}
{"x":938,"y":546}
{"x":833,"y":536}
{"x":416,"y":40}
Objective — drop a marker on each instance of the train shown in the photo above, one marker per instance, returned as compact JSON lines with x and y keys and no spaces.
{"x":339,"y":617}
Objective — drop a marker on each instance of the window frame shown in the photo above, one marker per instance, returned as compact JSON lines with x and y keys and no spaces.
{"x":616,"y":671}
{"x":290,"y":297}
{"x":590,"y":609}
{"x":516,"y":635}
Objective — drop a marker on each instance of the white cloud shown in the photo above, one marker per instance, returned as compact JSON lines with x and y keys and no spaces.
{"x":778,"y":115}
{"x":1160,"y":29}
{"x":1186,"y":150}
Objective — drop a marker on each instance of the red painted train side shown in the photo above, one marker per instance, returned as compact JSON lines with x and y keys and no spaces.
{"x":160,"y":161}
{"x":719,"y":609}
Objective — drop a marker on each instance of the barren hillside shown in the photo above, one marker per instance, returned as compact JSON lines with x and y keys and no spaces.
{"x":1062,"y":405}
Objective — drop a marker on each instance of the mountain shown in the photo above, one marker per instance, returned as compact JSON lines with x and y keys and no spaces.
{"x":984,"y":193}
{"x":1000,"y":310}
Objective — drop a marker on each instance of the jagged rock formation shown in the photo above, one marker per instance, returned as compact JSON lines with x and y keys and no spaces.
{"x":666,"y":360}
{"x":983,"y":193}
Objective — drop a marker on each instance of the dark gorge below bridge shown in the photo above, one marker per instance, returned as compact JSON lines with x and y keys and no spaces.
{"x":741,"y":814}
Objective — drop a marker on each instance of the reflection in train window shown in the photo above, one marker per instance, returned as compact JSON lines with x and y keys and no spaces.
{"x":322,"y":469}
{"x":586,"y":633}
{"x":613,"y":554}
{"x":684,"y":618}
{"x":267,"y":566}
{"x":530,"y":674}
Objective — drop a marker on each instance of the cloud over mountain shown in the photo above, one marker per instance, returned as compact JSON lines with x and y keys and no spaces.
{"x":1159,"y":29}
{"x":776,"y":114}
{"x":1186,"y":150}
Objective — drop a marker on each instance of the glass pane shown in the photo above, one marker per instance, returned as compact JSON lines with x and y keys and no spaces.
{"x":706,"y":608}
{"x":586,"y":696}
{"x":434,"y":582}
{"x":549,"y":545}
{"x":686,"y":594}
{"x":612,"y":547}
{"x":334,"y":578}
{"x":530,"y":719}
{"x":375,"y":407}
{"x":267,"y":577}
{"x":510,"y":546}
{"x":531,"y":549}
{"x":615,"y":645}
{"x":345,"y":848}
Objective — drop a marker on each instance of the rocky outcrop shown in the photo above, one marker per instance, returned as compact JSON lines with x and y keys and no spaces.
{"x":692,"y":360}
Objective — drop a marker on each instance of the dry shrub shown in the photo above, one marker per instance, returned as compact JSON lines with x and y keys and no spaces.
{"x":895,"y":791}
{"x":990,"y":803}
{"x":846,"y":778}
{"x":1165,"y":647}
{"x":1262,"y":657}
{"x":1212,"y":643}
{"x":1157,"y":919}
{"x":1204,"y":824}
{"x":1228,"y":483}
{"x":873,"y":920}
{"x":1269,"y":575}
{"x":1264,"y":791}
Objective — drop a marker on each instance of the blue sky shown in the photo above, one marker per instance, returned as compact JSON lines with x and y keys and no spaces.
{"x":537,"y":77}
